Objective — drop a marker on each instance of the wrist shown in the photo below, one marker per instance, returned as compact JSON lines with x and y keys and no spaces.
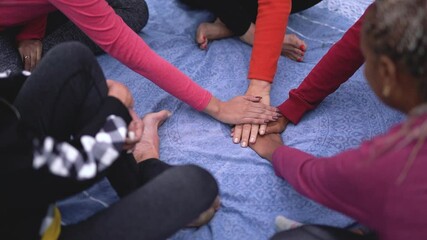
{"x":213,"y":107}
{"x":259,"y":86}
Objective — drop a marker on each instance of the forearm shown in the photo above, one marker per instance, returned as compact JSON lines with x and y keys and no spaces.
{"x":335,"y":68}
{"x":270,"y":30}
{"x":333,"y":181}
{"x":99,"y":21}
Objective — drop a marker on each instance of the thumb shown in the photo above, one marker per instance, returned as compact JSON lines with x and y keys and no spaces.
{"x":253,"y":98}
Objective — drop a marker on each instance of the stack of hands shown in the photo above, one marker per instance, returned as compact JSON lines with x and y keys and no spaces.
{"x":263,"y":138}
{"x":258,"y":125}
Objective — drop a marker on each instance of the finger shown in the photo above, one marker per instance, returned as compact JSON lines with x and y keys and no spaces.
{"x":244,"y":141}
{"x":259,"y":118}
{"x":38,"y":54}
{"x":273,"y":128}
{"x":262,"y":129}
{"x":254,"y":133}
{"x":27,"y":62}
{"x":33,"y":58}
{"x":253,"y":98}
{"x":109,"y":83}
{"x":261,"y":108}
{"x":139,"y":130}
{"x":237,"y":133}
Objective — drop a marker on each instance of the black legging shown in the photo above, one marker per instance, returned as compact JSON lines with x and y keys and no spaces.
{"x":58,"y":99}
{"x":59,"y":29}
{"x":238,"y":15}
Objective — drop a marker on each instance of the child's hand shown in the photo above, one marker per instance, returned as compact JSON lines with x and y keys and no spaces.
{"x":278,"y":126}
{"x":266,"y":145}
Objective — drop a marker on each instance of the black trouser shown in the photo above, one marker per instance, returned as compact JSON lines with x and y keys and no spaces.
{"x":59,"y":29}
{"x":238,"y":15}
{"x":318,"y":232}
{"x":63,"y":93}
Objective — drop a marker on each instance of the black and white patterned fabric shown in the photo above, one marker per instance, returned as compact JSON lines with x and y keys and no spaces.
{"x":64,"y":160}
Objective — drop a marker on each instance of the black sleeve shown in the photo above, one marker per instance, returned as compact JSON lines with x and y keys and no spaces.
{"x":110,"y":106}
{"x":10,"y":84}
{"x":42,"y":171}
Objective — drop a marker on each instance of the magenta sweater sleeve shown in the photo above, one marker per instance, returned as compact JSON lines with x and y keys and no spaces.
{"x":335,"y":68}
{"x":335,"y":182}
{"x":99,"y":21}
{"x":34,"y":29}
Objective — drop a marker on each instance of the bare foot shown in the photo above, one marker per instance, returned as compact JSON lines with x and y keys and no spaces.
{"x":207,"y":215}
{"x":148,"y":146}
{"x":211,"y":31}
{"x":293,"y":47}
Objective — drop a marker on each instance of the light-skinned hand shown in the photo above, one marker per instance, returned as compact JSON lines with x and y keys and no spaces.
{"x":31,"y":53}
{"x":241,"y":109}
{"x":247,"y":133}
{"x":266,"y":145}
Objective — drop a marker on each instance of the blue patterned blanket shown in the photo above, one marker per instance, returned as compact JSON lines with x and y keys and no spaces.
{"x":252,"y":196}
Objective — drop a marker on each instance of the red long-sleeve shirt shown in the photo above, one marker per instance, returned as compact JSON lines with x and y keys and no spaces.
{"x":271,"y":23}
{"x":336,"y":67}
{"x":99,"y":21}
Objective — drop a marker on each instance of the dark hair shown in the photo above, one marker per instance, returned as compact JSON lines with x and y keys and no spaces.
{"x":398,"y":29}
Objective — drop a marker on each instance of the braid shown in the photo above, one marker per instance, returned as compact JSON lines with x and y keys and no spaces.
{"x":398,"y":29}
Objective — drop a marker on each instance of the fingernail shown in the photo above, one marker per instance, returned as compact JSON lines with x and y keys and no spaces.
{"x":236,"y":140}
{"x":262,"y":132}
{"x":252,"y":140}
{"x":129,"y":151}
{"x":131,"y":135}
{"x":244,"y":144}
{"x":258,"y":97}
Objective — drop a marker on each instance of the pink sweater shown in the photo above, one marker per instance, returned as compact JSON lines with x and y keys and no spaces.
{"x":364,"y":186}
{"x":99,"y":21}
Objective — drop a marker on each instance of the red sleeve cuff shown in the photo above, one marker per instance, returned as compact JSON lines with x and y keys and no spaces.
{"x":261,"y":77}
{"x":294,"y":108}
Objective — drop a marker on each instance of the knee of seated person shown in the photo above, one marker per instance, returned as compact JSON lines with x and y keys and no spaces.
{"x":202,"y":182}
{"x":75,"y":53}
{"x":137,"y":16}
